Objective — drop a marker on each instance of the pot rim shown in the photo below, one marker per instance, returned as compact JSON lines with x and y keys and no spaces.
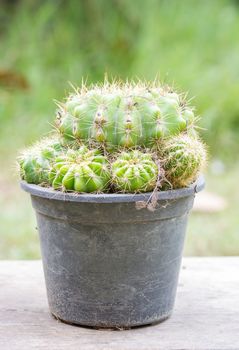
{"x":50,"y":193}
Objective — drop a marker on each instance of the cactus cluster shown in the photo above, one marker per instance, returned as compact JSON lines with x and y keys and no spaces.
{"x":81,"y":170}
{"x":183,"y":158}
{"x":134,"y":171}
{"x":35,"y":162}
{"x":118,"y":138}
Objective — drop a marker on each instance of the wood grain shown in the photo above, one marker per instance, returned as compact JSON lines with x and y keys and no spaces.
{"x":206,"y":314}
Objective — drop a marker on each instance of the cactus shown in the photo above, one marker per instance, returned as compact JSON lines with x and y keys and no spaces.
{"x":81,"y":170}
{"x":184,"y":158}
{"x":122,"y":115}
{"x":35,"y":162}
{"x":123,"y":120}
{"x":134,"y":171}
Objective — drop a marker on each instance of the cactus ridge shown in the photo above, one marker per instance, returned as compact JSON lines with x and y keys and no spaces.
{"x":81,"y":170}
{"x":184,"y":158}
{"x":134,"y":171}
{"x":123,"y":115}
{"x":35,"y":162}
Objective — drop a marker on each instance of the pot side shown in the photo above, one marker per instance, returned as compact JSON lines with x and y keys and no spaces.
{"x":107,"y":263}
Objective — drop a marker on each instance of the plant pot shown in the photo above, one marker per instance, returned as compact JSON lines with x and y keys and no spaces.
{"x":107,"y":263}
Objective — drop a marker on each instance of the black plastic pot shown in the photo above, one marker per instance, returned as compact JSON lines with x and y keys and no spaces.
{"x":107,"y":263}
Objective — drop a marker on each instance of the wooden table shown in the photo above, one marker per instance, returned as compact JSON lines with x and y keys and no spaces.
{"x":206,"y":314}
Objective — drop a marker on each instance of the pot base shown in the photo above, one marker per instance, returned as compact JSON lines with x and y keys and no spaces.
{"x":112,"y":327}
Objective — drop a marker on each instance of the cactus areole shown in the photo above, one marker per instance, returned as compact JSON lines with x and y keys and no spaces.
{"x":112,"y":188}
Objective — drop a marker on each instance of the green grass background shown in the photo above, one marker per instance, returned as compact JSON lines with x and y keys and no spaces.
{"x":191,"y":44}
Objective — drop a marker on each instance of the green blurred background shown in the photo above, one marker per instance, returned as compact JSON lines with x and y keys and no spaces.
{"x":191,"y":44}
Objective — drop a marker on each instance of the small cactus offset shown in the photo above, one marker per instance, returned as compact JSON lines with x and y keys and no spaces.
{"x":183,"y":159}
{"x":134,"y":171}
{"x":118,"y":137}
{"x":123,"y":115}
{"x":35,"y":162}
{"x":81,"y":170}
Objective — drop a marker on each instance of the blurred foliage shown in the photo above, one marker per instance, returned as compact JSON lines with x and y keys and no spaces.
{"x":194,"y":43}
{"x":45,"y":44}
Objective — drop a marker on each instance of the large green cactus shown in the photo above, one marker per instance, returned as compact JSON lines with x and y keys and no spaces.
{"x":134,"y":171}
{"x":123,"y":115}
{"x":81,"y":170}
{"x":183,"y":159}
{"x":35,"y":162}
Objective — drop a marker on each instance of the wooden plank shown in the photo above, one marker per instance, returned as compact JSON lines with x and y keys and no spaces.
{"x":206,"y":314}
